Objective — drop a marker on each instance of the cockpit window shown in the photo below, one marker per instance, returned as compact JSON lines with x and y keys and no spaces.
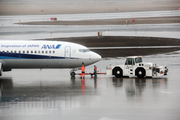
{"x":84,"y":50}
{"x":138,"y":60}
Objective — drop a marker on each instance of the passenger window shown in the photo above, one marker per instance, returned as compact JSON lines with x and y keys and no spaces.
{"x":31,"y":51}
{"x":35,"y":51}
{"x":14,"y":51}
{"x":42,"y":51}
{"x":53,"y":51}
{"x":19,"y":51}
{"x":27,"y":51}
{"x":24,"y":52}
{"x":38,"y":51}
{"x":49,"y":51}
{"x":46,"y":52}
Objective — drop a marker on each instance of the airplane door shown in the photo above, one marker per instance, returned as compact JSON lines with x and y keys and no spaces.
{"x":67,"y":53}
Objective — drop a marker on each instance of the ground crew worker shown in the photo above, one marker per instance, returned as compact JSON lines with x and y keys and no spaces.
{"x":95,"y":70}
{"x":82,"y":71}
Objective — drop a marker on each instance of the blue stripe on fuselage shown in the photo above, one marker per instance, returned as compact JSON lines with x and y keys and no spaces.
{"x":27,"y":56}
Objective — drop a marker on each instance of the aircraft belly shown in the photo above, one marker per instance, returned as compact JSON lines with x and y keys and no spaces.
{"x":73,"y":63}
{"x":32,"y":63}
{"x":45,"y":63}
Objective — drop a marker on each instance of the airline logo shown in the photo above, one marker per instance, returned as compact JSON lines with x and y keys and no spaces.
{"x":51,"y":46}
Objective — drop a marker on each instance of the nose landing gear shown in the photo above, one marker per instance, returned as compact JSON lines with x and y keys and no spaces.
{"x":72,"y":73}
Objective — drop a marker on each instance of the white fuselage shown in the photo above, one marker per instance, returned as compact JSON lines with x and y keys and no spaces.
{"x":44,"y":54}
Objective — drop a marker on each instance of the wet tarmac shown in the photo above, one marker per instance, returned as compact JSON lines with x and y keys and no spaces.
{"x":53,"y":94}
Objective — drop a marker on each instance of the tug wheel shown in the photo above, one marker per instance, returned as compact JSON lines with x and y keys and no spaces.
{"x":117,"y":71}
{"x":140,"y":72}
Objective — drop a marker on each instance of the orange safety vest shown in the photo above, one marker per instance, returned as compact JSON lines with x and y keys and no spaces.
{"x":95,"y":68}
{"x":83,"y":69}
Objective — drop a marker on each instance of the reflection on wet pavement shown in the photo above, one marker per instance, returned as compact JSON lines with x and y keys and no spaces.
{"x":48,"y":96}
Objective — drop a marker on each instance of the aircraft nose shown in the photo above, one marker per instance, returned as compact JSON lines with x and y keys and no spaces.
{"x":99,"y":57}
{"x":96,"y":57}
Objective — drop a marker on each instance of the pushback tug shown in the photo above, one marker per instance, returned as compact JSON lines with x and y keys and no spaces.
{"x":135,"y":67}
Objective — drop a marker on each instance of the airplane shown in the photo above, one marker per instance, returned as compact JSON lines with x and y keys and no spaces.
{"x":44,"y":54}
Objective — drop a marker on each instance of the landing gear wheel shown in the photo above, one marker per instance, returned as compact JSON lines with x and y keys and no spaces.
{"x":140,"y":73}
{"x":73,"y":74}
{"x":117,"y":71}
